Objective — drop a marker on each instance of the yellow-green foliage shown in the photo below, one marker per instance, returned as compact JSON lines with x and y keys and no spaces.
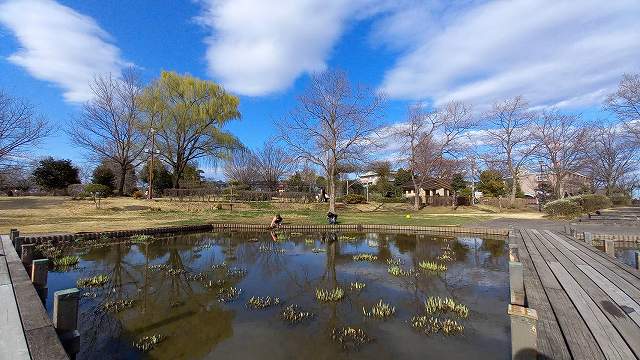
{"x":350,"y":337}
{"x":329,"y":295}
{"x":258,"y":302}
{"x":141,"y":239}
{"x":96,"y":281}
{"x":229,"y":294}
{"x":365,"y":257}
{"x":432,"y":266}
{"x":147,"y":343}
{"x":294,"y":315}
{"x":434,"y":305}
{"x":117,"y":305}
{"x":309,"y":241}
{"x":396,"y":270}
{"x":357,"y":285}
{"x":318,"y":250}
{"x":431,"y":325}
{"x":381,"y":310}
{"x":65,"y":261}
{"x":394,"y":261}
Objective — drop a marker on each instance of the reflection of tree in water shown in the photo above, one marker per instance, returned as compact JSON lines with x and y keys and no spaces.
{"x":193,"y":327}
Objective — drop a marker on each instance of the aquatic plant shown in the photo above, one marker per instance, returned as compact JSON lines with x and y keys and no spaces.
{"x":88,"y":294}
{"x":197,"y":277}
{"x":294,"y":315}
{"x":147,"y":343}
{"x":319,"y":250}
{"x":175,"y":272}
{"x":274,"y":249}
{"x":309,"y":241}
{"x":219,"y":266}
{"x":65,"y":261}
{"x":96,"y":281}
{"x":395,"y":261}
{"x":347,"y":238}
{"x":213,"y":284}
{"x":365,"y":257}
{"x":296,"y":234}
{"x":117,"y":305}
{"x":330,"y":295}
{"x":396,"y":270}
{"x":381,"y":310}
{"x":357,"y":285}
{"x":431,"y":325}
{"x":159,"y":267}
{"x":229,"y":294}
{"x":350,"y":337}
{"x":432,"y":266}
{"x":236,"y":272}
{"x":259,"y":302}
{"x":141,"y":239}
{"x":436,"y":304}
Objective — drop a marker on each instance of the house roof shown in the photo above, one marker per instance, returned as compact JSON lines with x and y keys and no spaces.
{"x":431,"y":183}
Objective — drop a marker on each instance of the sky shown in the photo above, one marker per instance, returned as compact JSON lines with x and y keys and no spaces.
{"x":568,"y":54}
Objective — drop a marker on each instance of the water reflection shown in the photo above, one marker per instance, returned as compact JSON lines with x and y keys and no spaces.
{"x":168,"y":278}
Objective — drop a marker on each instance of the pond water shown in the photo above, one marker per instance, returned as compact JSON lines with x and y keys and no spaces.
{"x":177,"y":287}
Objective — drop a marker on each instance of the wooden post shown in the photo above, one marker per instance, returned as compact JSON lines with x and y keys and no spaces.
{"x":637,"y":256}
{"x":65,"y":318}
{"x":39,"y":274}
{"x":588,"y":238}
{"x":524,"y":332}
{"x":566,"y":229}
{"x":609,"y":248}
{"x":13,"y":233}
{"x":514,"y":254}
{"x":17,"y":244}
{"x":516,"y":283}
{"x":27,"y":254}
{"x":572,"y":232}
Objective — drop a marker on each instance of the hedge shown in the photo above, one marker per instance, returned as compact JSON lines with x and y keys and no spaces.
{"x":354,"y":199}
{"x":562,"y":208}
{"x":591,"y":202}
{"x":576,"y":205}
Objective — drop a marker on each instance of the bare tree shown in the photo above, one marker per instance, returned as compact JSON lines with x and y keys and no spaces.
{"x":429,"y":137}
{"x":509,"y":137}
{"x":108,"y":124}
{"x":241,"y":166}
{"x":562,"y":142}
{"x":20,"y":128}
{"x":612,"y":157}
{"x":273,"y":163}
{"x":333,"y":125}
{"x":625,"y":103}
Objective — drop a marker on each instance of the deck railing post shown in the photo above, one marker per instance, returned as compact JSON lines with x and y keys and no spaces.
{"x":524,"y":332}
{"x":609,"y":247}
{"x":637,"y":258}
{"x":13,"y":233}
{"x":39,"y":274}
{"x":588,"y":238}
{"x":65,"y":318}
{"x":516,"y":283}
{"x":514,"y":254}
{"x":17,"y":244}
{"x":27,"y":255}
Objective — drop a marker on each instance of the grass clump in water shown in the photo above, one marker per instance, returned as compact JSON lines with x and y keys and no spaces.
{"x":259,"y":302}
{"x":365,"y":257}
{"x":381,"y":310}
{"x":229,"y":294}
{"x":438,"y":305}
{"x":96,"y":281}
{"x":117,"y":305}
{"x":147,"y":343}
{"x":65,"y":261}
{"x":394,"y":262}
{"x":357,"y":285}
{"x":396,"y":270}
{"x":294,"y":315}
{"x":331,"y":295}
{"x":431,"y":325}
{"x":350,"y":337}
{"x":318,"y":250}
{"x":432,"y":266}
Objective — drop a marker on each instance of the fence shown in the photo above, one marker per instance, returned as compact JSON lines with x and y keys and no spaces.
{"x":218,"y":195}
{"x":504,"y":202}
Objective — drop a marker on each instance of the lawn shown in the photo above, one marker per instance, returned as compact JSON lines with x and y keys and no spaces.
{"x":61,"y":214}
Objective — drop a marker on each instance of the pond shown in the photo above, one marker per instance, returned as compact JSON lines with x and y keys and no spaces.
{"x":260,"y":295}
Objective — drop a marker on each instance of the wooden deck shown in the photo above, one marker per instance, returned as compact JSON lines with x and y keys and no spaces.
{"x":588,"y":303}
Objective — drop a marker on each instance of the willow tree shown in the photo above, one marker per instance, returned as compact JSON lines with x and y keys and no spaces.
{"x":188,"y":116}
{"x":333,"y":125}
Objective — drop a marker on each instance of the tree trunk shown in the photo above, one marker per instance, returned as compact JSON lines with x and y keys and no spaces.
{"x":332,"y":193}
{"x":512,"y":196}
{"x":416,"y":198}
{"x":123,"y":176}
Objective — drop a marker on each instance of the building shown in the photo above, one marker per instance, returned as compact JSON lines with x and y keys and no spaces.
{"x":371,"y":178}
{"x":430,"y":188}
{"x":572,"y":184}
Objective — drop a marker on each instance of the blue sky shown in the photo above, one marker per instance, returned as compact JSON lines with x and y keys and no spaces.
{"x":555,"y":53}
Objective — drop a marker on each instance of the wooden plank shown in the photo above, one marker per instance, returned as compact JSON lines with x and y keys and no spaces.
{"x":614,"y":312}
{"x":600,"y":256}
{"x":13,"y":344}
{"x":551,"y":343}
{"x":611,"y":343}
{"x":579,"y":338}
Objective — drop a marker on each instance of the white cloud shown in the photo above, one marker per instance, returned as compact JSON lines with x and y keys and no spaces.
{"x":553,"y":52}
{"x":59,"y":45}
{"x":260,"y":47}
